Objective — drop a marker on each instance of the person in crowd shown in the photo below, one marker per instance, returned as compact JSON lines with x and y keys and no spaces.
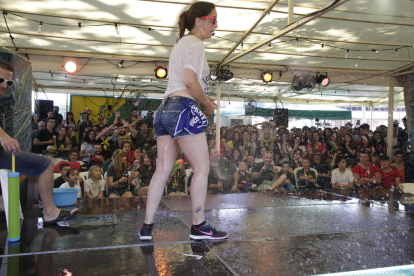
{"x":72,"y":138}
{"x":236,"y":157}
{"x":323,"y":169}
{"x":62,"y":143}
{"x":57,"y":115}
{"x":327,"y":134}
{"x":402,"y":139}
{"x":237,"y":141}
{"x":269,"y":143}
{"x":119,"y":181}
{"x":101,"y":124}
{"x":46,"y":136}
{"x":247,"y":144}
{"x":331,"y":147}
{"x":285,"y":180}
{"x":298,"y":145}
{"x":307,"y":179}
{"x":221,"y":175}
{"x":87,"y":147}
{"x":83,"y":123}
{"x":255,"y":144}
{"x":364,"y":128}
{"x":146,"y":171}
{"x":375,"y":158}
{"x":70,"y":122}
{"x":366,"y":174}
{"x":126,"y":133}
{"x":129,"y":152}
{"x":242,"y":178}
{"x":342,"y":178}
{"x":35,"y":120}
{"x":250,"y":162}
{"x":74,"y":156}
{"x":107,"y":142}
{"x":390,"y":176}
{"x":399,"y":165}
{"x":296,"y":161}
{"x":62,"y":178}
{"x":316,"y":144}
{"x":97,"y":158}
{"x":378,"y":143}
{"x":94,"y":185}
{"x":338,"y":153}
{"x":51,"y":114}
{"x":349,"y":148}
{"x":264,"y":173}
{"x":72,"y":176}
{"x":51,"y":151}
{"x":285,"y":148}
{"x":176,"y":182}
{"x":365,"y":143}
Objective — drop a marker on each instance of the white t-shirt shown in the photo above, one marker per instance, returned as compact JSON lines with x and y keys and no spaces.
{"x":187,"y":53}
{"x":88,"y":148}
{"x":66,"y":185}
{"x":345,"y":178}
{"x":94,"y":188}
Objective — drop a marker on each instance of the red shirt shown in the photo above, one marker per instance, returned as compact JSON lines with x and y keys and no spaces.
{"x":130,"y":158}
{"x":316,"y":146}
{"x":388,"y":178}
{"x":367,"y":173}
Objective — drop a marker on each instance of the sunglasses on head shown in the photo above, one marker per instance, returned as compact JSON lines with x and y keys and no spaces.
{"x":8,"y":82}
{"x":213,"y":19}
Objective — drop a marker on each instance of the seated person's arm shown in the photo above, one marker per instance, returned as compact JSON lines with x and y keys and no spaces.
{"x":397,"y":182}
{"x":89,"y":195}
{"x":358,"y":180}
{"x":112,"y":183}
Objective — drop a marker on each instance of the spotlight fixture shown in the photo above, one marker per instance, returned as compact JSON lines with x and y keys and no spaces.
{"x":267,"y":77}
{"x":323,"y":80}
{"x":161,"y":72}
{"x":119,"y":64}
{"x":71,"y":67}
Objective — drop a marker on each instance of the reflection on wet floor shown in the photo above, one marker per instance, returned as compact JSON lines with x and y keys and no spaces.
{"x":271,"y":233}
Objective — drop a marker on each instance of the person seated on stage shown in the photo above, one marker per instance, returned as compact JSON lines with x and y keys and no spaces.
{"x":390,"y":176}
{"x":176,"y":181}
{"x":62,"y":178}
{"x":242,"y":179}
{"x":119,"y":182}
{"x":97,"y":158}
{"x":94,"y":185}
{"x":399,"y":164}
{"x":342,"y":178}
{"x":264,"y":173}
{"x":306,"y":177}
{"x":72,"y":176}
{"x":145,"y":172}
{"x":323,"y":169}
{"x":285,"y":179}
{"x":366,"y":174}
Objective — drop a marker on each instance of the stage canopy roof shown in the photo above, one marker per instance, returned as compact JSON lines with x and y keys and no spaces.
{"x":359,"y":44}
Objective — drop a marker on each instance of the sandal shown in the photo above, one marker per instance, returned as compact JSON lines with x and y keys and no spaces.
{"x":63,"y":215}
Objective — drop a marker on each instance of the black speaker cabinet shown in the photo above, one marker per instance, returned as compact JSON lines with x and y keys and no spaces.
{"x":281,"y":117}
{"x":43,"y":107}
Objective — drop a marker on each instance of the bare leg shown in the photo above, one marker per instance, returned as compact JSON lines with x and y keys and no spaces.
{"x":113,"y":196}
{"x":167,"y":150}
{"x":278,"y":181}
{"x":45,"y":186}
{"x":127,"y":194}
{"x":196,"y":150}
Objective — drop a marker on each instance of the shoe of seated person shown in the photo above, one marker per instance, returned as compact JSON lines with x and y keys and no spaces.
{"x":145,"y":234}
{"x":206,"y":232}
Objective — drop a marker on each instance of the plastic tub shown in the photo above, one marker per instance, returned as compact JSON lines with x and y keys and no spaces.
{"x":65,"y":196}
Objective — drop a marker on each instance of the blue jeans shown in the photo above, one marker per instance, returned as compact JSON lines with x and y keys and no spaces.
{"x":167,"y":116}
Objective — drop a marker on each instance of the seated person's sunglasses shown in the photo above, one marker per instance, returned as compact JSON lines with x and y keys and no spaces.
{"x":8,"y":82}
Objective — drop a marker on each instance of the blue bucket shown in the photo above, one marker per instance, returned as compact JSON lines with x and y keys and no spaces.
{"x":65,"y":196}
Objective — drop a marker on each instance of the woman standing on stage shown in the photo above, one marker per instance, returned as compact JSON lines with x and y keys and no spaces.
{"x":179,"y":123}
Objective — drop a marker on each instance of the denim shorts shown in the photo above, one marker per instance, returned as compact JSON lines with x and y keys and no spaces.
{"x":27,"y":163}
{"x":167,"y":115}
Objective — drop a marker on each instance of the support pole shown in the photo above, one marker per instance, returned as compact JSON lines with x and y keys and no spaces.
{"x":371,"y":120}
{"x":218,"y":117}
{"x":390,"y":116}
{"x":291,"y":5}
{"x":364,"y":115}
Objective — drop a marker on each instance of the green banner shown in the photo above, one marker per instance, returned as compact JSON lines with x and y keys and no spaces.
{"x":305,"y":114}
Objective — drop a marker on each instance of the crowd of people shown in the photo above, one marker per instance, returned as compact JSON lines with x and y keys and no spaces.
{"x":121,"y":156}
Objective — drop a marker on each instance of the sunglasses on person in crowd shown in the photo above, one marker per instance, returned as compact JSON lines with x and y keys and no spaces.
{"x":8,"y":82}
{"x":213,"y":19}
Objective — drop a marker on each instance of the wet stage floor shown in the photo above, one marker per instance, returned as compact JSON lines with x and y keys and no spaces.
{"x":308,"y":233}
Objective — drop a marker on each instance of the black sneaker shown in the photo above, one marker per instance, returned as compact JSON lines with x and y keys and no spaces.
{"x":206,"y":232}
{"x":145,"y":234}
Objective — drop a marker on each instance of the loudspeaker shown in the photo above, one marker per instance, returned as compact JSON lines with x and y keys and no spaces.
{"x":281,"y":117}
{"x":43,"y":107}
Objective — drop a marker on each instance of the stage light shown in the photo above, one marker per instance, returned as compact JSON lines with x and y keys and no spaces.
{"x":267,"y":77}
{"x":161,"y":72}
{"x":323,"y":80}
{"x":71,"y":67}
{"x":119,"y":64}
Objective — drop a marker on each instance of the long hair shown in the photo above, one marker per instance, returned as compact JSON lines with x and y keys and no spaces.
{"x":86,"y":138}
{"x":91,"y":170}
{"x":67,"y":118}
{"x":117,"y":162}
{"x":187,"y":19}
{"x":151,"y":156}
